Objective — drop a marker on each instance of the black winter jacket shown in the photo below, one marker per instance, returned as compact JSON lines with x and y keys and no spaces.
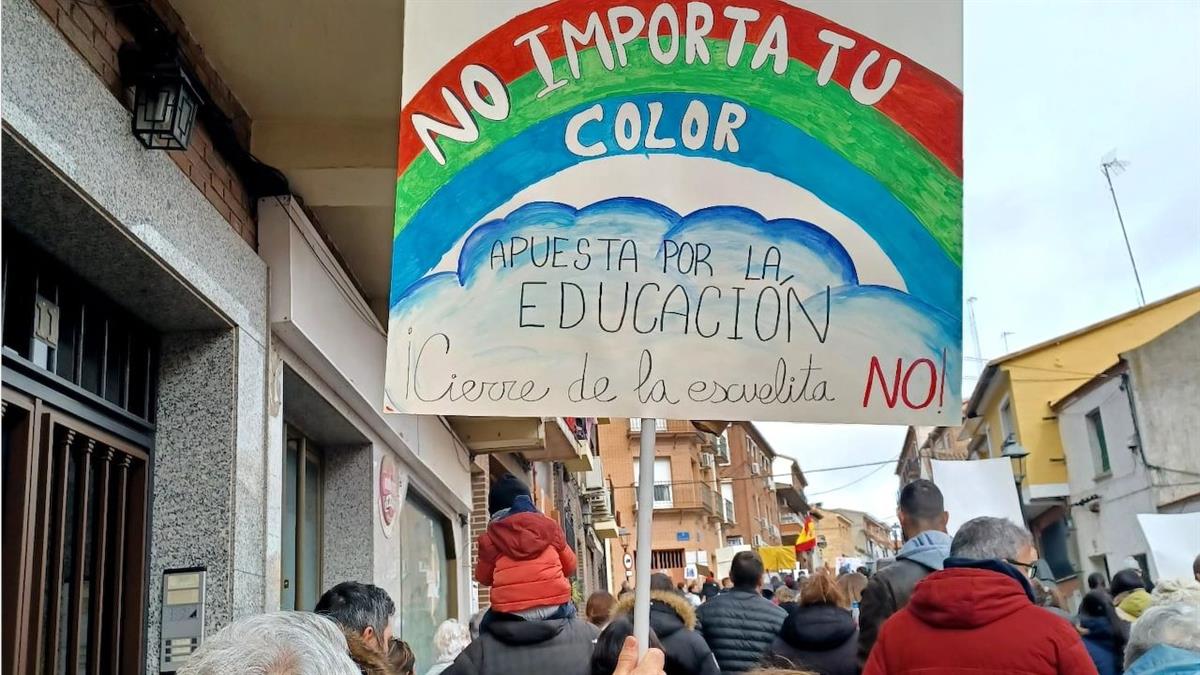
{"x":514,"y":646}
{"x":674,"y":622}
{"x":739,"y":626}
{"x":886,"y":593}
{"x":819,"y":638}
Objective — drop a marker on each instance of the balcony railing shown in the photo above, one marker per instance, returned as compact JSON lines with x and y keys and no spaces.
{"x":635,"y":424}
{"x":685,"y":496}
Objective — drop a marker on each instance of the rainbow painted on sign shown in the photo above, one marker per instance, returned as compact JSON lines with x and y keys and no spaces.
{"x":907,"y":146}
{"x":775,"y":94}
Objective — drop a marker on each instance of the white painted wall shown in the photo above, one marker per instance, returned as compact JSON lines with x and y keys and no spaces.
{"x":1166,"y":388}
{"x":326,"y":333}
{"x":1124,"y":492}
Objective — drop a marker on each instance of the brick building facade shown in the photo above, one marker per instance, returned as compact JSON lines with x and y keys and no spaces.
{"x":747,"y":478}
{"x":688,"y":518}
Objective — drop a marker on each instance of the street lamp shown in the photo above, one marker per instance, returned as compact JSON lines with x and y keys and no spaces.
{"x":1016,"y":453}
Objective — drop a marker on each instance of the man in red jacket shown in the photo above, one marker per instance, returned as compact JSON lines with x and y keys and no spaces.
{"x":977,"y":616}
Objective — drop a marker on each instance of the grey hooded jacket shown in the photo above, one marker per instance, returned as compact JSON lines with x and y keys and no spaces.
{"x":890,"y":588}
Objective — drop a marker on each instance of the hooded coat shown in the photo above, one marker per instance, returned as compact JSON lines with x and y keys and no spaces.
{"x":818,"y":638}
{"x":967,"y":620}
{"x":739,"y":625}
{"x":889,"y":589}
{"x":1101,"y":644}
{"x":674,"y":622}
{"x":511,"y":645}
{"x":525,"y":559}
{"x":1165,"y":660}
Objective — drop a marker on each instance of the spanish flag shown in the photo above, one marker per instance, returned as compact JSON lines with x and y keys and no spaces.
{"x":807,"y":539}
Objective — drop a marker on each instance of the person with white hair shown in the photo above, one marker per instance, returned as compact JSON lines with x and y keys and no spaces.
{"x":1165,"y":639}
{"x":978,"y":615}
{"x":1169,"y":591}
{"x":450,"y":638}
{"x":276,"y":643}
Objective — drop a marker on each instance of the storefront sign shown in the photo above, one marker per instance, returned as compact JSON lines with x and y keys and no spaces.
{"x":708,"y":209}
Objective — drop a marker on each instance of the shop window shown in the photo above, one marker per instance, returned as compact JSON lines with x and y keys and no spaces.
{"x":426,"y":585}
{"x":300,"y":563}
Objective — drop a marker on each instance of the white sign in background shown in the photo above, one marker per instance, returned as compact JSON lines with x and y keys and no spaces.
{"x":983,"y":487}
{"x":1173,"y":540}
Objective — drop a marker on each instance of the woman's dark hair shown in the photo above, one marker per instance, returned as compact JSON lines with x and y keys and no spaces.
{"x":1096,"y":580}
{"x":609,"y":644}
{"x":1097,"y":605}
{"x":1126,"y":580}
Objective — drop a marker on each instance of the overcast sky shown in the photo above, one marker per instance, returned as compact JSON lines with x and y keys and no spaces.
{"x":1050,"y":88}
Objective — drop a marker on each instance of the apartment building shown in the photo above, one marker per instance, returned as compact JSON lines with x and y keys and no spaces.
{"x":747,"y":483}
{"x":922,"y":445}
{"x":689,"y":512}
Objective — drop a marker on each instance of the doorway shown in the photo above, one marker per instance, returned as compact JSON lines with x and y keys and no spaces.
{"x":75,"y":506}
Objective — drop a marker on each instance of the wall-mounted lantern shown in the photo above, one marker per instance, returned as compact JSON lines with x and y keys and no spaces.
{"x":164,"y":107}
{"x":165,"y":100}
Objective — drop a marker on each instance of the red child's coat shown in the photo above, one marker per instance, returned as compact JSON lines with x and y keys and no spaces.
{"x":526,"y":561}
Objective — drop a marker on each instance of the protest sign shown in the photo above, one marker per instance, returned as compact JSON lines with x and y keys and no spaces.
{"x":1172,"y":540}
{"x":709,"y":210}
{"x":983,"y":487}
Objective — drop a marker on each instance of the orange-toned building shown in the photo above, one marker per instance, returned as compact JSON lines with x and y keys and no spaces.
{"x":747,"y":484}
{"x":689,"y":513}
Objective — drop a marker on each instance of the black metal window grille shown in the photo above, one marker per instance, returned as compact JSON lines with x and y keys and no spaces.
{"x":56,"y":323}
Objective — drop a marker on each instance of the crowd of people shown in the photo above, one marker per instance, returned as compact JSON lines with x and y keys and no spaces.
{"x":967,"y":604}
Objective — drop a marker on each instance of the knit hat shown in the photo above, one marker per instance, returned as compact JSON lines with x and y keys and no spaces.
{"x":504,"y":492}
{"x":1126,"y":580}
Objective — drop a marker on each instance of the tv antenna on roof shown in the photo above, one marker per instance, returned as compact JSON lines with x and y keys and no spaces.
{"x":1110,"y":166}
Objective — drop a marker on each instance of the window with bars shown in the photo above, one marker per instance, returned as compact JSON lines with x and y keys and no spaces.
{"x":57,"y":324}
{"x":666,"y":559}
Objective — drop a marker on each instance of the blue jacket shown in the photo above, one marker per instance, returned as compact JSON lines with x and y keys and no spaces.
{"x":1164,"y":660}
{"x":1101,"y":645}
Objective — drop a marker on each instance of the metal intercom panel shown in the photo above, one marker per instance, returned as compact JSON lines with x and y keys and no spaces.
{"x":182,"y":617}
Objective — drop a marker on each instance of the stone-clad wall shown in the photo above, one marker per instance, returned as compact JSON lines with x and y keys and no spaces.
{"x":208,"y":504}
